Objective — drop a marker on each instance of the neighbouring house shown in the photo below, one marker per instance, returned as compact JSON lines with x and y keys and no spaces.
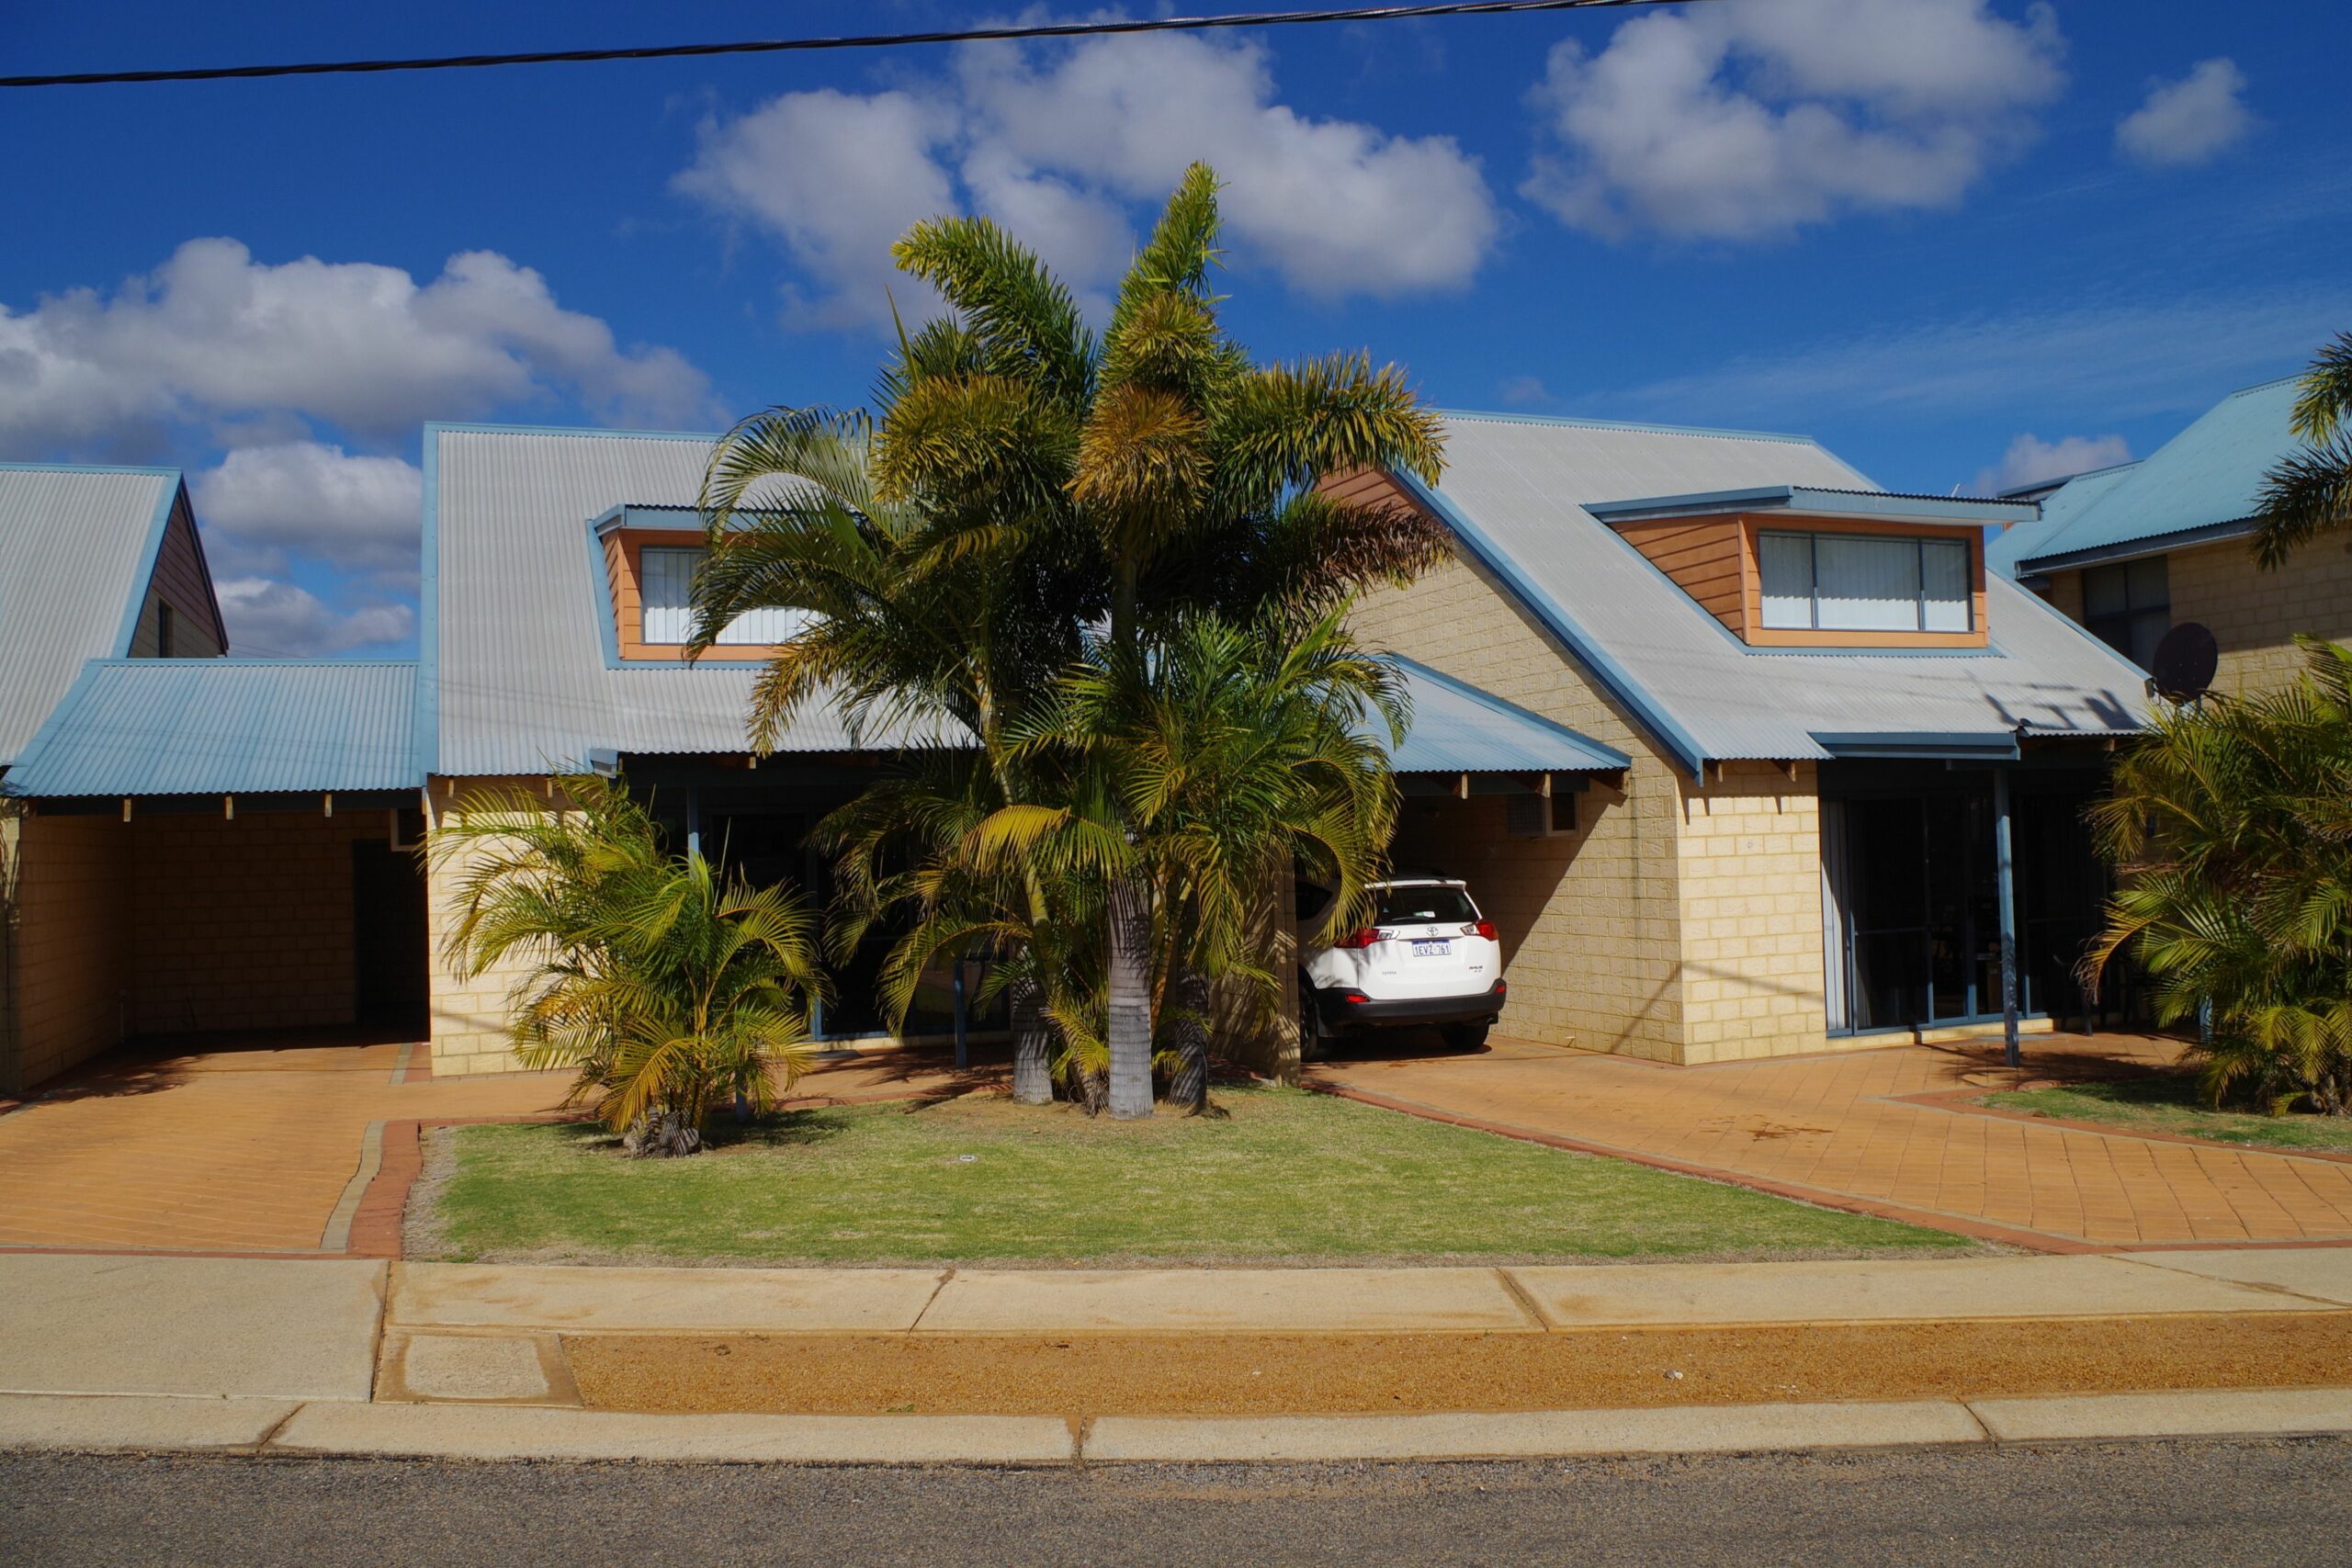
{"x":95,"y":563}
{"x":1723,"y":737}
{"x":2134,"y":550}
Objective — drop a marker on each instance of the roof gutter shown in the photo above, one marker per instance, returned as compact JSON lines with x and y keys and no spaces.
{"x":2135,"y":549}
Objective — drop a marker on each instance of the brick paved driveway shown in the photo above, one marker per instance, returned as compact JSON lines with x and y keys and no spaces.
{"x":268,"y":1148}
{"x":1839,"y":1129}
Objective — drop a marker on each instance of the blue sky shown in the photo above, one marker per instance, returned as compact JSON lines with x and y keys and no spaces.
{"x":1963,"y":242}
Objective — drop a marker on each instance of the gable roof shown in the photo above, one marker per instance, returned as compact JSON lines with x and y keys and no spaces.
{"x":1458,"y":729}
{"x":516,"y":610}
{"x":78,"y":548}
{"x":2060,"y":505}
{"x":2199,"y":486}
{"x":1514,"y":490}
{"x":145,"y":726}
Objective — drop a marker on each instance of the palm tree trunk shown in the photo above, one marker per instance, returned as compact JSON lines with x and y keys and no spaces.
{"x":1190,"y":1086}
{"x":1128,"y":985}
{"x":1032,"y":1078}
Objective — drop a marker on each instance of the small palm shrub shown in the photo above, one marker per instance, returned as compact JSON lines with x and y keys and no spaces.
{"x":669,"y":990}
{"x":2230,"y":826}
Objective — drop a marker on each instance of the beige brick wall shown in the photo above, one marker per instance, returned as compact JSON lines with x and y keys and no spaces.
{"x":245,"y":922}
{"x":469,"y":1013}
{"x":1590,"y":921}
{"x":2255,"y":614}
{"x":1750,"y":880}
{"x":72,"y":945}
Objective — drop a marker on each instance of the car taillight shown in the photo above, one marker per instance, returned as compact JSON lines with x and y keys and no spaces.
{"x":1483,"y":928}
{"x":1363,"y":936}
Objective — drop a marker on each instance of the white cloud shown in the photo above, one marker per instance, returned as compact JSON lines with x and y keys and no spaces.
{"x":1523,"y":391}
{"x":1755,"y":117}
{"x":2095,"y":361}
{"x":270,"y":617}
{"x":356,"y":512}
{"x":2192,"y":121}
{"x":213,"y":335}
{"x":2029,"y":460}
{"x":1072,"y":147}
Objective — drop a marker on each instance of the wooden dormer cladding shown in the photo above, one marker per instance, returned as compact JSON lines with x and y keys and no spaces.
{"x":1717,"y":562}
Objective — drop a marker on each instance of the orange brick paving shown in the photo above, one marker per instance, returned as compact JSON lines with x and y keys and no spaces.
{"x":250,"y":1150}
{"x":1835,"y":1127}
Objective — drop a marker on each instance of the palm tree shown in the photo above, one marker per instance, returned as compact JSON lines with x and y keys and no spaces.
{"x":2229,"y":823}
{"x":1160,"y":469}
{"x":2310,"y":492}
{"x":1226,"y":756}
{"x":669,"y":990}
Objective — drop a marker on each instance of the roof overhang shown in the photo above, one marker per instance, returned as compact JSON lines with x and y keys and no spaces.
{"x":1806,"y":501}
{"x":1967,"y":745}
{"x":1462,"y":733}
{"x":2136,"y":550}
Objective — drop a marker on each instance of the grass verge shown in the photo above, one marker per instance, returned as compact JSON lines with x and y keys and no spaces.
{"x":1284,"y":1176}
{"x":2170,"y":1103}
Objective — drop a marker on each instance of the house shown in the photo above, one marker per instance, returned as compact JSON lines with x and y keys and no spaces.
{"x":1835,"y":713}
{"x":2134,"y":551}
{"x":1724,"y":735}
{"x":101,"y":563}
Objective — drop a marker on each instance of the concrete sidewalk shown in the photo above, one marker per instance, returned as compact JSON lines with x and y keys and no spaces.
{"x":453,"y":1360}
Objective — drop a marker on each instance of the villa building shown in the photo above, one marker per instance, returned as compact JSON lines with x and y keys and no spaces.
{"x":1723,"y":737}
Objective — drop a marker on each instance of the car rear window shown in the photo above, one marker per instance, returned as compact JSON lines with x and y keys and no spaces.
{"x":1425,"y":906}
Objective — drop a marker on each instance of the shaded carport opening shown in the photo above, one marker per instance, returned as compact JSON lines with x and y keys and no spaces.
{"x":221,"y":918}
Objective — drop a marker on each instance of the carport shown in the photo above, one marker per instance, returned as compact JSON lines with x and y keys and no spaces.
{"x":214,"y":846}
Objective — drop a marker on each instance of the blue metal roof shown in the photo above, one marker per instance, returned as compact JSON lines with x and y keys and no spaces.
{"x":2058,"y":509}
{"x":1457,"y":728}
{"x":1816,"y":501}
{"x":145,"y":726}
{"x":2201,"y":484}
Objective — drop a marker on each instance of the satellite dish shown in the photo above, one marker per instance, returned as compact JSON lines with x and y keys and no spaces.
{"x":2184,"y":663}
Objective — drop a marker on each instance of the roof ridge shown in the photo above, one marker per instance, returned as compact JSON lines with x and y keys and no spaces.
{"x":472,"y":427}
{"x":147,"y":470}
{"x":1642,"y":425}
{"x":2265,"y":386}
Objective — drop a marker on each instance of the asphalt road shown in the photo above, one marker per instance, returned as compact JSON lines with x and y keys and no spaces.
{"x":2139,"y":1505}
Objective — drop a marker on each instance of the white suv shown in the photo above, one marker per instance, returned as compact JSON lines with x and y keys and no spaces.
{"x":1429,"y":958}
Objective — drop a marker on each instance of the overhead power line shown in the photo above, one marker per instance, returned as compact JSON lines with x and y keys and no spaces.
{"x":806,"y":45}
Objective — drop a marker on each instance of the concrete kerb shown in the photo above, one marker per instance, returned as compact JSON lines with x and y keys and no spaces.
{"x":263,"y":1428}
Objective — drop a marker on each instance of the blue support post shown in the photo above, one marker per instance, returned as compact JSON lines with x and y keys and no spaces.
{"x":963,"y":1018}
{"x":2005,"y":868}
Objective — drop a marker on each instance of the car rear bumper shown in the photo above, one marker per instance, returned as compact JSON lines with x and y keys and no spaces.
{"x":1342,"y":1007}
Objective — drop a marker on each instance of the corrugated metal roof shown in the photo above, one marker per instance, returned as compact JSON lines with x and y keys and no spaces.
{"x":2059,"y":509}
{"x":516,"y":649}
{"x":76,"y":547}
{"x":1457,"y":728}
{"x":2206,"y":477}
{"x":143,"y":726}
{"x":1512,"y":488}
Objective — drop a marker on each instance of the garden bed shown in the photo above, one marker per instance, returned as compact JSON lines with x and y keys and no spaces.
{"x":1283,"y":1176}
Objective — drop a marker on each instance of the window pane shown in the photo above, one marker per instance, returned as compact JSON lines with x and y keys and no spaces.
{"x":2148,"y":628}
{"x":2150,"y":584}
{"x":1784,"y":561}
{"x":666,"y":590}
{"x":1425,"y":906}
{"x":1946,"y":606}
{"x":2106,"y":591}
{"x":1866,"y":584}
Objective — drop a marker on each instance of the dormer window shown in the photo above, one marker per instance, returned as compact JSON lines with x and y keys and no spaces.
{"x":1793,"y":566}
{"x":666,"y":590}
{"x":1861,"y":583}
{"x":650,"y":556}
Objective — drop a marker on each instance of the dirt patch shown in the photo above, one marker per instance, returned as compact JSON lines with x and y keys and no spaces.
{"x":1598,"y":1369}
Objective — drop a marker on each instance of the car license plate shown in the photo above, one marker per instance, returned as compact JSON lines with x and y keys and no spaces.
{"x":1432,"y":949}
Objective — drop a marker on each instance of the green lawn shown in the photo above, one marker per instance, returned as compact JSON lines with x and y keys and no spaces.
{"x":1286,"y":1174}
{"x":2172,"y":1104}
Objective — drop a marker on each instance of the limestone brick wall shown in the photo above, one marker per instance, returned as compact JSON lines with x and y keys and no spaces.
{"x":469,"y":1014}
{"x":245,"y":922}
{"x":72,"y":943}
{"x":2255,"y":614}
{"x":1590,"y":921}
{"x":1750,"y":884}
